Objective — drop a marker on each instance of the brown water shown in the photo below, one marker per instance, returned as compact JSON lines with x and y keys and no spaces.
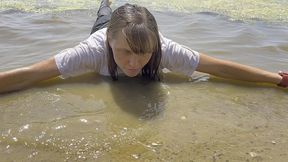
{"x":91,"y":118}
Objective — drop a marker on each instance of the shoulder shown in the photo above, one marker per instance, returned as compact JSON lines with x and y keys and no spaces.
{"x":100,"y":33}
{"x":169,"y":46}
{"x":164,"y":41}
{"x":98,"y":38}
{"x":95,"y":44}
{"x":177,"y":57}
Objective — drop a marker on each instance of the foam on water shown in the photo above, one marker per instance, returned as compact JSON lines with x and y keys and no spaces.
{"x":267,"y":10}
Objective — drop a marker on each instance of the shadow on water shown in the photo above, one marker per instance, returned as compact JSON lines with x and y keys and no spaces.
{"x":141,"y":98}
{"x":146,"y":99}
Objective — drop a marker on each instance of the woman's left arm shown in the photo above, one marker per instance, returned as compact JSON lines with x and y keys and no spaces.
{"x":232,"y":70}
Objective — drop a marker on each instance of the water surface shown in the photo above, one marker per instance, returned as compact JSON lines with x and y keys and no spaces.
{"x":91,"y":118}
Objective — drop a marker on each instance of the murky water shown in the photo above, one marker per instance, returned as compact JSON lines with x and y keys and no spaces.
{"x":91,"y":118}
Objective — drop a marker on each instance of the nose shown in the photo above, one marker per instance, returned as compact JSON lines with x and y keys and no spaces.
{"x":134,"y":61}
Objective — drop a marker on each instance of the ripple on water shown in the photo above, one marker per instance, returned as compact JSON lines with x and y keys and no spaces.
{"x":271,"y":10}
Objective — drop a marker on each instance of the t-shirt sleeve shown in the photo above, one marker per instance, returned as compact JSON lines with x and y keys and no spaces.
{"x":83,"y":58}
{"x":178,"y":58}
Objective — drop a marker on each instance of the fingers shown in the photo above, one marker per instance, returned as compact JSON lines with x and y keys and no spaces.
{"x":284,"y":81}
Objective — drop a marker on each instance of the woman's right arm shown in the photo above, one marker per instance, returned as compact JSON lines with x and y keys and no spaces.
{"x":23,"y":77}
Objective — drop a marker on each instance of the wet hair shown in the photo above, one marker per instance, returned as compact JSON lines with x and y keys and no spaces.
{"x":140,"y":29}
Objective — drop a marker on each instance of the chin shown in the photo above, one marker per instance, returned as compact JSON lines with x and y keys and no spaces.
{"x":131,"y":74}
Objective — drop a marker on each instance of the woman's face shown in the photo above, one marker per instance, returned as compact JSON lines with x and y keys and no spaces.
{"x":128,"y":61}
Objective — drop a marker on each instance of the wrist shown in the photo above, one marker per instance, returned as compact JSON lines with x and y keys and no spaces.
{"x":284,"y":80}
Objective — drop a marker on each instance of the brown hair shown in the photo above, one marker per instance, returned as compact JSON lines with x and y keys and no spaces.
{"x":141,"y":31}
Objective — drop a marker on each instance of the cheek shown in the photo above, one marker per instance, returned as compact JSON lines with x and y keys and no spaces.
{"x":119,"y":59}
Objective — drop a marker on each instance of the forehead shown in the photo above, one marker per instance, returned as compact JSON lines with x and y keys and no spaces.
{"x":119,"y":41}
{"x":140,"y":41}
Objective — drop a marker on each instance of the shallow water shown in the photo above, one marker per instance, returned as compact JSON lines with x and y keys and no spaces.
{"x":91,"y":118}
{"x":268,"y":10}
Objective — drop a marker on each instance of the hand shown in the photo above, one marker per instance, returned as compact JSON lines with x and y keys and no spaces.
{"x":284,"y":81}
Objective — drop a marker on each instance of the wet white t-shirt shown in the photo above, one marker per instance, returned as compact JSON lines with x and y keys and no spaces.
{"x":91,"y":56}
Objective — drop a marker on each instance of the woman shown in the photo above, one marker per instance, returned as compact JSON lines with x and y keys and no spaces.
{"x":131,"y":45}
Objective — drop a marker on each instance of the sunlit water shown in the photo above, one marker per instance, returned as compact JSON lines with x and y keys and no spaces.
{"x":91,"y":118}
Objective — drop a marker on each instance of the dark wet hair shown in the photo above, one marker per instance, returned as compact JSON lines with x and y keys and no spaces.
{"x":141,"y":31}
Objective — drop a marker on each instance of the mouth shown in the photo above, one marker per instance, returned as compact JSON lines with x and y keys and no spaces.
{"x":133,"y":70}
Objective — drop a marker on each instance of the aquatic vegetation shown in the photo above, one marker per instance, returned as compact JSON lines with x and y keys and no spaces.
{"x":271,"y":10}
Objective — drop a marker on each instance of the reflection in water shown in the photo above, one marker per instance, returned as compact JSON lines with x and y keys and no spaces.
{"x":142,"y":98}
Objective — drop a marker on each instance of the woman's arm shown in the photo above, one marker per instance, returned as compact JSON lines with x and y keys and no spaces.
{"x":232,"y":70}
{"x":23,"y":77}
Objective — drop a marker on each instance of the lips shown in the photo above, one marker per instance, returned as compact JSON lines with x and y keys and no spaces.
{"x":132,"y":72}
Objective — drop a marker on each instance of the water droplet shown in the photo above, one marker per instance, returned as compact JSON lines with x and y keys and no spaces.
{"x":35,"y":153}
{"x":253,"y":154}
{"x":60,"y":127}
{"x":135,"y":156}
{"x":183,"y":117}
{"x":124,"y":131}
{"x":155,"y":144}
{"x":83,"y":120}
{"x":15,"y":139}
